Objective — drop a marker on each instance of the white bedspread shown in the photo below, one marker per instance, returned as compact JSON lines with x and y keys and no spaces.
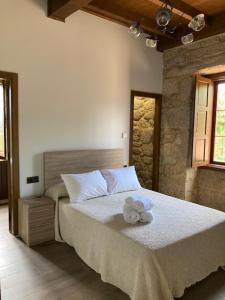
{"x":157,"y":261}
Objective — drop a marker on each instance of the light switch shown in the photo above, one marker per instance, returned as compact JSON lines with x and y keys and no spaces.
{"x":33,"y":179}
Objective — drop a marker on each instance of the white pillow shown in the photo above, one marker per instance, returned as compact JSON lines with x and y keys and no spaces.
{"x":85,"y":186}
{"x":121,"y":180}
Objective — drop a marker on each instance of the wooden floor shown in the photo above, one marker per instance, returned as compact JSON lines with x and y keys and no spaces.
{"x":54,"y":272}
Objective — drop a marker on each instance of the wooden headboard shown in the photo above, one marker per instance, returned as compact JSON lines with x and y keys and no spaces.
{"x":78,"y":161}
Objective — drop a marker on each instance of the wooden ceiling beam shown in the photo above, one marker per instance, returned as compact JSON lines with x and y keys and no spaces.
{"x":120,"y":15}
{"x":180,"y":8}
{"x":216,"y":26}
{"x":61,"y":9}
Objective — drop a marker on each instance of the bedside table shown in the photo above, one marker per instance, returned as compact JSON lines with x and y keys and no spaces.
{"x":36,"y":220}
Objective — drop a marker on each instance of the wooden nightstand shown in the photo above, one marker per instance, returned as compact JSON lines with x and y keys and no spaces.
{"x":36,"y":220}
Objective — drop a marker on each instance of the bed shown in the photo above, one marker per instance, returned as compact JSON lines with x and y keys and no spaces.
{"x":157,"y":261}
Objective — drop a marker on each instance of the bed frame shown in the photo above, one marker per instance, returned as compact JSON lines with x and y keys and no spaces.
{"x":79,"y":161}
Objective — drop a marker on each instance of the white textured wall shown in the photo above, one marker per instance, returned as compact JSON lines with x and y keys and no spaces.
{"x":74,"y":81}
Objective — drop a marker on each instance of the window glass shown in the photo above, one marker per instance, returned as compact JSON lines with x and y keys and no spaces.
{"x":219,"y":145}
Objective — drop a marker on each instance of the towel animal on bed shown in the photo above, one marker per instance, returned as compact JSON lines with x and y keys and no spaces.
{"x":136,"y":209}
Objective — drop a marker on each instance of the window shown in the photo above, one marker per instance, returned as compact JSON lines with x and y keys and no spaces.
{"x":219,"y":126}
{"x":209,"y":123}
{"x":2,"y":123}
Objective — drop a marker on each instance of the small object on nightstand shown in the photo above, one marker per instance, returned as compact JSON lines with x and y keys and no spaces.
{"x":36,"y":220}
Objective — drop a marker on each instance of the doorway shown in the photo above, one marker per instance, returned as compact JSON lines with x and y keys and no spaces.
{"x":145,"y":137}
{"x":9,"y":146}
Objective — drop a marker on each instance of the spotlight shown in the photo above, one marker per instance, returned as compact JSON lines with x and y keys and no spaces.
{"x":135,"y":30}
{"x":197,"y":23}
{"x":151,"y":42}
{"x":187,"y":39}
{"x":163,"y":16}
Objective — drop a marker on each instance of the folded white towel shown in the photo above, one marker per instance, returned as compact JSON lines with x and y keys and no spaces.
{"x":146,"y":217}
{"x":139,"y":203}
{"x":130,"y":215}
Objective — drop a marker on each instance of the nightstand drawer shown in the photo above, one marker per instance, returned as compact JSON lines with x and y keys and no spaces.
{"x":40,"y":215}
{"x":41,"y":225}
{"x":41,"y":235}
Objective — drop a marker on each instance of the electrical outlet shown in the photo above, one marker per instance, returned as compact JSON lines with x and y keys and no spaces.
{"x":33,"y":179}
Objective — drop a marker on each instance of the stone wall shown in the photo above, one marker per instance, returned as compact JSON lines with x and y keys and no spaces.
{"x":143,"y":131}
{"x":177,"y":178}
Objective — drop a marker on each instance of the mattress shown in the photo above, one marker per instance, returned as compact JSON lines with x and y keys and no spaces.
{"x":157,"y":261}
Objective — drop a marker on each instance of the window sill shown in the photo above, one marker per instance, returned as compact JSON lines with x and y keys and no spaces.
{"x":214,"y":167}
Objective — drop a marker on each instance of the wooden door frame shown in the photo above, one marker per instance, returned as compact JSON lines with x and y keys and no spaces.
{"x":12,"y":148}
{"x":157,"y":125}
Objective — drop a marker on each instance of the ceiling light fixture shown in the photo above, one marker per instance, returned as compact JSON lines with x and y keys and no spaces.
{"x":163,"y":17}
{"x":197,"y":23}
{"x":135,"y":30}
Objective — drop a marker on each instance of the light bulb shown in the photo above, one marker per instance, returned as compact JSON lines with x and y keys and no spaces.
{"x":151,"y":42}
{"x":197,"y":23}
{"x":163,"y":16}
{"x":135,"y":30}
{"x":187,"y":39}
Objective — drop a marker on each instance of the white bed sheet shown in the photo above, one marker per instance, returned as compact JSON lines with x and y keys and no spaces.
{"x":157,"y":261}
